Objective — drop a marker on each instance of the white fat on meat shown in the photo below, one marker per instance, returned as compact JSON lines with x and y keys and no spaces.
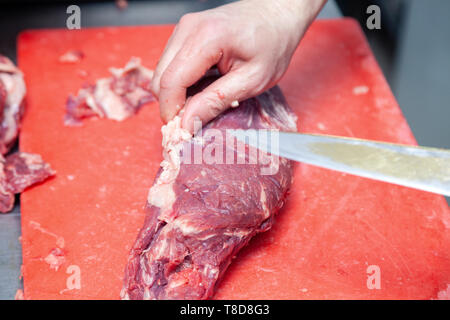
{"x":12,"y":79}
{"x":186,"y":226}
{"x":161,"y":194}
{"x":112,"y":105}
{"x":263,"y":200}
{"x":134,"y":63}
{"x":109,"y":103}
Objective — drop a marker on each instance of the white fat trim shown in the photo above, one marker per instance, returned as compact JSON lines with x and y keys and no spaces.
{"x":124,"y":294}
{"x":159,"y":250}
{"x":263,"y":200}
{"x":16,"y":90}
{"x":239,"y":233}
{"x":105,"y":102}
{"x":161,"y":194}
{"x":112,"y":105}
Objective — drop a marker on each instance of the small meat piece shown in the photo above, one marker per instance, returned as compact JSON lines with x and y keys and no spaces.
{"x":17,"y":172}
{"x":19,"y":295}
{"x":6,"y":196}
{"x":72,"y":56}
{"x":12,"y":94}
{"x":55,"y":258}
{"x":6,"y":201}
{"x":117,"y":97}
{"x":200,"y":214}
{"x":24,"y":169}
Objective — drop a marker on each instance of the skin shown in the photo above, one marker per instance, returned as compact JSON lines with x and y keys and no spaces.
{"x":250,"y":41}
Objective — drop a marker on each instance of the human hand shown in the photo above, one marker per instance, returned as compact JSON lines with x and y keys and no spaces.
{"x":250,"y":41}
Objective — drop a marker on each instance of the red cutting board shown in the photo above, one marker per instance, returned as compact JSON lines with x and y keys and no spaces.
{"x":333,"y":227}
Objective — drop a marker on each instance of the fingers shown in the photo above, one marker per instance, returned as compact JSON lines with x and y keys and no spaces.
{"x":187,"y":67}
{"x":225,"y":92}
{"x":174,"y":44}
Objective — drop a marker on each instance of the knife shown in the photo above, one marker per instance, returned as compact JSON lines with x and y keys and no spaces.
{"x":421,"y":168}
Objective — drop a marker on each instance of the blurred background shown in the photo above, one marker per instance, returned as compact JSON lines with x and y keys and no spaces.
{"x":412,"y":48}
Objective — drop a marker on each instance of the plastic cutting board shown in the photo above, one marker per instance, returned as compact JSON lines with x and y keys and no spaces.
{"x":334,"y":234}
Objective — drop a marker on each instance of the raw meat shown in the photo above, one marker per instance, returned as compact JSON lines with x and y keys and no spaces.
{"x":6,"y":197}
{"x":72,"y":56}
{"x":55,"y":258}
{"x":12,"y":94}
{"x":117,"y":97}
{"x":23,"y":169}
{"x":19,"y":170}
{"x":200,"y":214}
{"x":2,"y":99}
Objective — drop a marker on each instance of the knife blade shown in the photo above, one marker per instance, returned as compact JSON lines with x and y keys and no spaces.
{"x":417,"y":167}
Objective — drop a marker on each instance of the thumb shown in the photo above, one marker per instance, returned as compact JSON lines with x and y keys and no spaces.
{"x":225,"y":92}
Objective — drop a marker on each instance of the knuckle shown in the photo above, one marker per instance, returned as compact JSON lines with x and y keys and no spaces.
{"x":260,"y":77}
{"x":166,"y":80}
{"x":215,"y":106}
{"x":187,"y":19}
{"x":210,"y":30}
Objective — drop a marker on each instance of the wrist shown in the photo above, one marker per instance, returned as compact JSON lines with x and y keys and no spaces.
{"x":296,"y":15}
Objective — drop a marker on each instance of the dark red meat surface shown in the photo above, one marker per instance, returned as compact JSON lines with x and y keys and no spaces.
{"x":17,"y":172}
{"x":183,"y":249}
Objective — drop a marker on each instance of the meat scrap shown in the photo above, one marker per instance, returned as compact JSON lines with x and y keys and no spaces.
{"x":19,"y":295}
{"x":24,"y":169}
{"x":117,"y":97}
{"x":12,"y":94}
{"x":18,"y":170}
{"x":72,"y":56}
{"x":200,"y":214}
{"x":6,"y":196}
{"x":55,"y":258}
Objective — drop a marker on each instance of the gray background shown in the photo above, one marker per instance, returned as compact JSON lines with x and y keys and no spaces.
{"x":413,"y":49}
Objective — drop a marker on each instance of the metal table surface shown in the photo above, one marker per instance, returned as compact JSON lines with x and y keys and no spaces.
{"x":13,"y":20}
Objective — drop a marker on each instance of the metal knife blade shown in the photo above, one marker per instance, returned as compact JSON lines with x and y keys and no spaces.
{"x":421,"y":168}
